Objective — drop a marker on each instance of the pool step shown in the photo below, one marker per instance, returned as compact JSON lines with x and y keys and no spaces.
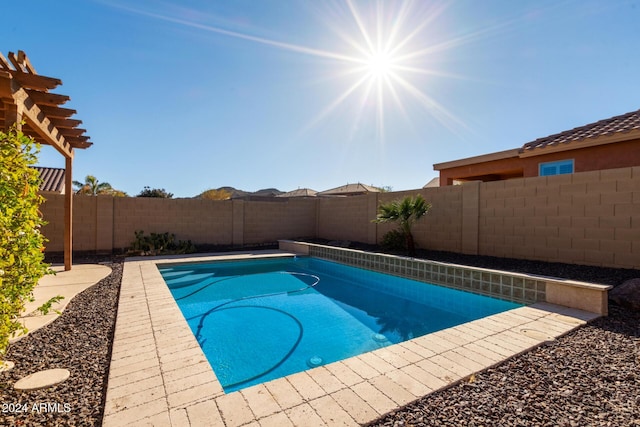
{"x":176,"y":274}
{"x":181,"y":282}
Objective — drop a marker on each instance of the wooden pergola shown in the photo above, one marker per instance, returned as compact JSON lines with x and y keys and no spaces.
{"x":25,"y":101}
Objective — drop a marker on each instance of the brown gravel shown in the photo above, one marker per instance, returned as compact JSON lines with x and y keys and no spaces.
{"x":590,"y":377}
{"x":80,"y":341}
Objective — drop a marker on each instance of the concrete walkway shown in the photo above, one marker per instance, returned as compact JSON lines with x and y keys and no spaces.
{"x":65,"y":283}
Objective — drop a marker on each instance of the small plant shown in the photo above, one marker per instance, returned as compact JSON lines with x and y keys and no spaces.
{"x":159,"y":244}
{"x":46,"y":307}
{"x":405,"y":212}
{"x":394,"y":240}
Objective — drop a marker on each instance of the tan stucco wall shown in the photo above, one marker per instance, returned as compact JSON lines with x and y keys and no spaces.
{"x":584,"y":218}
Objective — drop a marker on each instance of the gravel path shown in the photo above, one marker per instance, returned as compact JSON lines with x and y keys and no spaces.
{"x":80,"y":341}
{"x":590,"y":377}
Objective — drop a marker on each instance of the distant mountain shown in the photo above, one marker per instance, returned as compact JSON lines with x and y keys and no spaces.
{"x":267,"y":192}
{"x":241,"y":194}
{"x":235,"y":194}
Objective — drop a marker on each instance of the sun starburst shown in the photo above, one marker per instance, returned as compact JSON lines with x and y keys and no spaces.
{"x":386,"y":49}
{"x":383,"y":49}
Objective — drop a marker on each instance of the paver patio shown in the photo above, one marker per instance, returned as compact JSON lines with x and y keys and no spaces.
{"x":159,"y":375}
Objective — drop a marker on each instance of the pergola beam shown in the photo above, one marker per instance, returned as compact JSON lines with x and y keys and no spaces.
{"x":65,"y":123}
{"x":57,"y":112}
{"x":40,"y":123}
{"x":25,"y":98}
{"x":46,"y":98}
{"x":35,"y":81}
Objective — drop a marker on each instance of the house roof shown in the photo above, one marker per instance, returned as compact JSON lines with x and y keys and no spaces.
{"x":615,"y":129}
{"x":349,"y":189}
{"x":52,"y":179}
{"x":300,"y":192}
{"x":500,"y":155}
{"x":435,"y":182}
{"x":615,"y":125}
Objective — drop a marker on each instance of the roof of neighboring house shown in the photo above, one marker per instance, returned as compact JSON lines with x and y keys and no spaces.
{"x":615,"y":125}
{"x":435,"y":182}
{"x":349,"y":189}
{"x":52,"y":179}
{"x":300,"y":192}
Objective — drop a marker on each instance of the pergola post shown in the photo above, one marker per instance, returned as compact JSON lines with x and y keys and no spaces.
{"x":12,"y":115}
{"x":68,"y":213}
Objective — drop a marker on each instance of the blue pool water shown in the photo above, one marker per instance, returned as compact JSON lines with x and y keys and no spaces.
{"x":263,"y":319}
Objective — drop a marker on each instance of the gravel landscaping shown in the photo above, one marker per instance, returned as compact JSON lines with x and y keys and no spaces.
{"x":80,"y":341}
{"x":590,"y":377}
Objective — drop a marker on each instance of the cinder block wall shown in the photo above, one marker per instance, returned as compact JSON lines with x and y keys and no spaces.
{"x":53,"y":212}
{"x":347,"y":218}
{"x":270,"y":221}
{"x":588,"y":218}
{"x":201,"y":221}
{"x":442,"y":227}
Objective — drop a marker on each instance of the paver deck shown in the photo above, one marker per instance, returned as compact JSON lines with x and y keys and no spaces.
{"x":159,"y":375}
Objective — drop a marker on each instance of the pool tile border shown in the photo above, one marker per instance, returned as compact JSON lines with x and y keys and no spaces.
{"x":516,"y":287}
{"x":159,"y":375}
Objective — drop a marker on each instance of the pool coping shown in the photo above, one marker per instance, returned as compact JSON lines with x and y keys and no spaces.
{"x":521,"y":288}
{"x":160,"y":376}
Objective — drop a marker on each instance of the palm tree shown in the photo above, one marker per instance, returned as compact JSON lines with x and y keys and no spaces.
{"x":406,"y":212}
{"x":92,"y":187}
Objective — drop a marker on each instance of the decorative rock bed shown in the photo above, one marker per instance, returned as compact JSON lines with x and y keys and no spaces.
{"x":590,"y":377}
{"x":80,"y":341}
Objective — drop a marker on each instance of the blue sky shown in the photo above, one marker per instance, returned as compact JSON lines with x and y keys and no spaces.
{"x":192,"y":95}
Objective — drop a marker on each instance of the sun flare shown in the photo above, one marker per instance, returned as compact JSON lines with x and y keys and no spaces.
{"x":385,"y":55}
{"x":382,"y":60}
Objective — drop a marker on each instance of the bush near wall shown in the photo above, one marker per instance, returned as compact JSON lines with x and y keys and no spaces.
{"x":21,"y":243}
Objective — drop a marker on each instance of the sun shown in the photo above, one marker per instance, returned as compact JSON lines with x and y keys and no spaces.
{"x":383,"y":63}
{"x":380,"y":65}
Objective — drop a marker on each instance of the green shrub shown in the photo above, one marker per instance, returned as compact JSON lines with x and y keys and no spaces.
{"x":159,"y":243}
{"x":394,"y":240}
{"x":21,"y":243}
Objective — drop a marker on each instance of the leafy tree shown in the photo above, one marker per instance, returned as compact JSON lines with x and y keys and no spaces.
{"x":215,"y":195}
{"x":117,"y":193}
{"x":406,"y":212}
{"x":21,"y":243}
{"x":155,"y":192}
{"x":92,"y":187}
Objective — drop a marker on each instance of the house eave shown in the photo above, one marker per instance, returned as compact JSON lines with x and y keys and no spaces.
{"x":500,"y":155}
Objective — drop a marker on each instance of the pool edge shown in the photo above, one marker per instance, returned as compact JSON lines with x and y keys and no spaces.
{"x":159,"y":375}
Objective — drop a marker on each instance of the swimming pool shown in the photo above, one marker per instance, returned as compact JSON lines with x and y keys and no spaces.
{"x":259,"y":320}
